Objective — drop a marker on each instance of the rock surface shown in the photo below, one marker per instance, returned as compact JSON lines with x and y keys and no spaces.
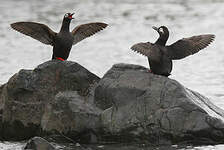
{"x":71,"y":114}
{"x":128,"y":104}
{"x":1,"y":100}
{"x":29,"y":93}
{"x":38,"y":143}
{"x":142,"y":107}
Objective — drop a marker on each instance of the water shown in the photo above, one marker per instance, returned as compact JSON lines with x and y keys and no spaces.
{"x":11,"y":146}
{"x":129,"y":22}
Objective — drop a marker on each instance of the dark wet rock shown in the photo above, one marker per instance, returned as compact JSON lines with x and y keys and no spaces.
{"x":73,"y":116}
{"x":38,"y":143}
{"x":142,"y":107}
{"x":29,"y":93}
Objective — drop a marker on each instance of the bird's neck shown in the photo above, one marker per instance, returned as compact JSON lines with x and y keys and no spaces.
{"x":65,"y":26}
{"x":162,"y":40}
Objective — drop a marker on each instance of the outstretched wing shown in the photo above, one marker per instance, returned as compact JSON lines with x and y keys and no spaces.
{"x":189,"y":46}
{"x":37,"y":31}
{"x":148,"y":49}
{"x":85,"y":30}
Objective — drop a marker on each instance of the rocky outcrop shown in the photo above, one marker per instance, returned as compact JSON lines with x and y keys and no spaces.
{"x":29,"y":93}
{"x":129,"y":104}
{"x":142,"y":107}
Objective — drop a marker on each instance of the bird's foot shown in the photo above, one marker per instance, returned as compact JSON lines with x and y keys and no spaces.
{"x":150,"y":71}
{"x":59,"y":58}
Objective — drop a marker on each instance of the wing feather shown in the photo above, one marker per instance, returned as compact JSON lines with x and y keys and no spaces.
{"x":37,"y":31}
{"x":189,"y":46}
{"x":147,"y":49}
{"x":86,"y":30}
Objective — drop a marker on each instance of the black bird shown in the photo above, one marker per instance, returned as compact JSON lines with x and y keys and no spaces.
{"x":160,"y":56}
{"x":62,"y":42}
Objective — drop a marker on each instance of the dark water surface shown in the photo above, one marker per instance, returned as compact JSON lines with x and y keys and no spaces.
{"x":130,"y":21}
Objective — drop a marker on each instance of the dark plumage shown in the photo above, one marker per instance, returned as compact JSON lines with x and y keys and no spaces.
{"x":160,"y":56}
{"x":62,"y":42}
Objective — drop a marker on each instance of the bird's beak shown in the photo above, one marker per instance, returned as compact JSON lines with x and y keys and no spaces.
{"x":71,"y":16}
{"x":155,"y":28}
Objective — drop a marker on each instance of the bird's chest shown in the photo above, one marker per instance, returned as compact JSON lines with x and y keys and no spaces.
{"x":162,"y":53}
{"x":64,"y":41}
{"x":162,"y":59}
{"x":158,"y":54}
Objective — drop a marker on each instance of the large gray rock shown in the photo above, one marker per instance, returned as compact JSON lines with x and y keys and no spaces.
{"x":142,"y":107}
{"x":29,"y":93}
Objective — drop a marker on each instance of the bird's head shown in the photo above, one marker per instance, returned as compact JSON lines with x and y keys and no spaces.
{"x":163,"y":35}
{"x":163,"y":30}
{"x":68,"y":16}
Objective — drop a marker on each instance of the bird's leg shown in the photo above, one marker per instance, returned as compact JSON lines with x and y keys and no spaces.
{"x":59,"y":58}
{"x":150,"y":71}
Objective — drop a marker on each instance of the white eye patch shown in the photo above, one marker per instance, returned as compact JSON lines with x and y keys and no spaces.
{"x":66,"y":15}
{"x":161,"y":30}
